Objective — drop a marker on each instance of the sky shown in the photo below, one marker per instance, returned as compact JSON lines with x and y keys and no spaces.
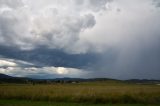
{"x":80,"y":38}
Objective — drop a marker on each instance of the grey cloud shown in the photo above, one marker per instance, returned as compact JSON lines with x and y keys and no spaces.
{"x":156,"y":3}
{"x":44,"y":23}
{"x":131,"y":43}
{"x":13,"y":28}
{"x":10,"y":3}
{"x":139,"y":60}
{"x":93,"y":5}
{"x":74,"y":34}
{"x":97,"y":5}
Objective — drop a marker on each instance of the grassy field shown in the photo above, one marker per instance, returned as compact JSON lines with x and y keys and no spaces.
{"x":44,"y":103}
{"x":97,"y":93}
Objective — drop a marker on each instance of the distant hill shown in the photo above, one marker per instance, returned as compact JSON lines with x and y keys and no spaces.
{"x":143,"y":81}
{"x":3,"y":76}
{"x":10,"y":79}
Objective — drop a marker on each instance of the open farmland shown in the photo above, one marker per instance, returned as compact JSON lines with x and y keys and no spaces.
{"x":87,"y":92}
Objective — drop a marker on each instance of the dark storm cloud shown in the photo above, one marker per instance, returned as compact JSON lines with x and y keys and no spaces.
{"x":50,"y":57}
{"x":143,"y":61}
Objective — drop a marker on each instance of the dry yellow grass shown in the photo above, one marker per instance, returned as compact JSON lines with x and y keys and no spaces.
{"x":84,"y":92}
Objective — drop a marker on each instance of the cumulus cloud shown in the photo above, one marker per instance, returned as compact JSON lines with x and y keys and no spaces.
{"x":10,"y":3}
{"x":56,"y":24}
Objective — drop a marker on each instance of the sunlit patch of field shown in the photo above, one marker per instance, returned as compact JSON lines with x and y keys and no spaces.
{"x":91,"y":92}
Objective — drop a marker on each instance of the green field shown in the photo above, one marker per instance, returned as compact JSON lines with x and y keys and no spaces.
{"x":81,"y":94}
{"x":45,"y":103}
